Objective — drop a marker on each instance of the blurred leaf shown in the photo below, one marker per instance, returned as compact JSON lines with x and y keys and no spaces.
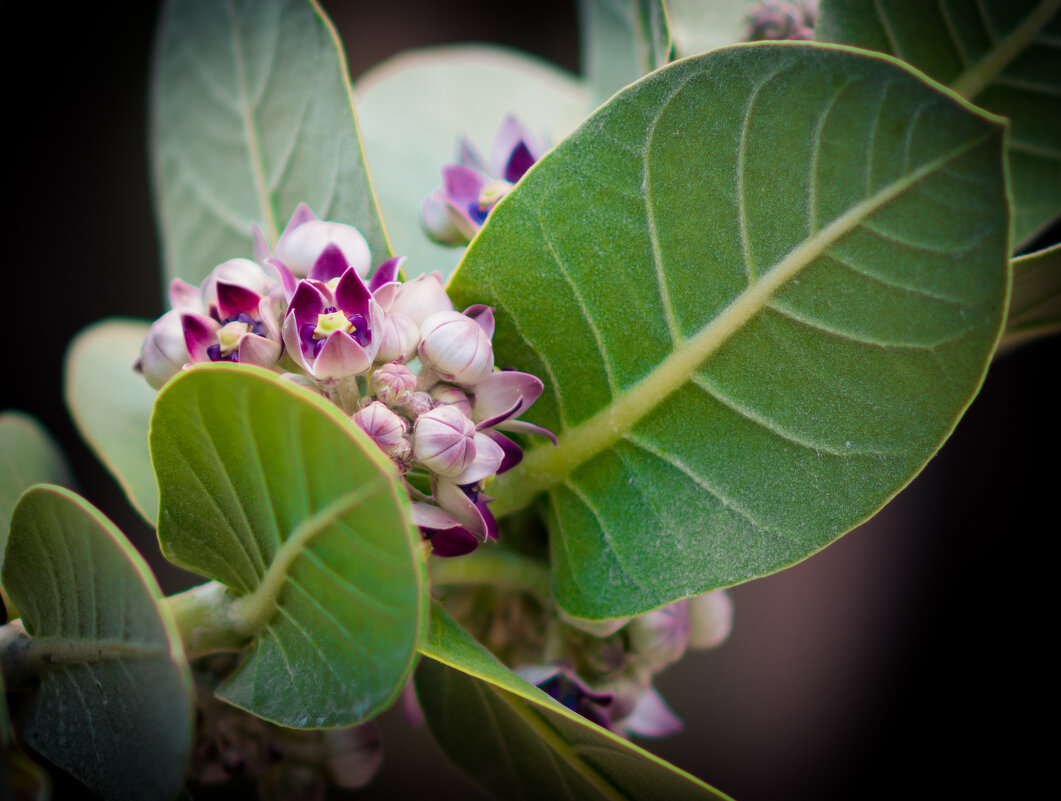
{"x":783,"y":312}
{"x":621,"y":41}
{"x":114,"y":705}
{"x":1004,"y":55}
{"x":1035,"y":303}
{"x":111,"y":405}
{"x":251,"y":114}
{"x":699,"y":25}
{"x":519,"y":742}
{"x":414,"y":107}
{"x":271,"y":490}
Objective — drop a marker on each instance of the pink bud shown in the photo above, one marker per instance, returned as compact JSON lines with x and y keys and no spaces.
{"x":711,"y":618}
{"x":444,"y":441}
{"x":398,"y":339}
{"x":300,"y":247}
{"x":393,"y":383}
{"x":456,"y":347}
{"x":660,"y":636}
{"x":447,"y":394}
{"x":385,"y":427}
{"x":164,"y":352}
{"x":420,"y":298}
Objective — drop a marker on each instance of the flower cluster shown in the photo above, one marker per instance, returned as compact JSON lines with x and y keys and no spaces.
{"x":453,"y":214}
{"x":414,"y":373}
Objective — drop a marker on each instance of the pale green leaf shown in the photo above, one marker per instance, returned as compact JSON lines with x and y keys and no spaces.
{"x":271,"y":490}
{"x":520,"y":743}
{"x":756,"y":320}
{"x":111,"y":404}
{"x":1004,"y":55}
{"x":699,"y":25}
{"x":251,"y":114}
{"x":621,"y":41}
{"x":114,"y":706}
{"x":414,"y":107}
{"x":1035,"y":303}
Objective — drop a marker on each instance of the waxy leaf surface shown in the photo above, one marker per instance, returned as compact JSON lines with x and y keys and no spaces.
{"x":414,"y":107}
{"x":251,"y":114}
{"x":520,"y":743}
{"x":756,"y":319}
{"x":621,"y":41}
{"x":272,"y":491}
{"x":111,"y":405}
{"x":1003,"y":55}
{"x":1035,"y":304}
{"x":114,"y":706}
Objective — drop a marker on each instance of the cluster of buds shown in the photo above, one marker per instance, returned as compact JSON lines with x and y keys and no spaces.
{"x":605,"y":671}
{"x":775,"y":20}
{"x":453,"y":214}
{"x":414,"y":373}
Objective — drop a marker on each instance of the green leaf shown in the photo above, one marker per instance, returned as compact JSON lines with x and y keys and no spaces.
{"x":519,"y":742}
{"x":111,"y":405}
{"x":621,"y":41}
{"x":413,"y":108}
{"x":697,"y":26}
{"x":114,"y":705}
{"x":251,"y":114}
{"x":1035,"y":303}
{"x":783,"y":311}
{"x":1004,"y":55}
{"x":271,"y":490}
{"x":28,"y":456}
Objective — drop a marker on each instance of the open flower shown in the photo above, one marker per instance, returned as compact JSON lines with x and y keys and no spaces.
{"x":562,"y":684}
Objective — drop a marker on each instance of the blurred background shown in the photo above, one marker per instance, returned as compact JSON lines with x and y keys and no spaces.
{"x":906,"y":659}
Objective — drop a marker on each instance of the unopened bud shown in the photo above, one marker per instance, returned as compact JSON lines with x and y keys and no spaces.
{"x":385,"y":427}
{"x":393,"y":384}
{"x":399,"y":337}
{"x":444,"y":441}
{"x":456,"y":347}
{"x":163,"y":353}
{"x":300,"y":247}
{"x":420,"y":298}
{"x":449,"y":395}
{"x":661,"y":636}
{"x":710,"y":619}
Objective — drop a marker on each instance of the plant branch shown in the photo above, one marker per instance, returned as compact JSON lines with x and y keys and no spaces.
{"x":496,"y":567}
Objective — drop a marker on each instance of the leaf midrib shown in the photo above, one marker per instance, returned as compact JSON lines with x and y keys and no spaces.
{"x":545,"y":467}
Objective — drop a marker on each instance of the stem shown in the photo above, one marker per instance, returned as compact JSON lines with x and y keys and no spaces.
{"x":497,"y":567}
{"x":208,"y":620}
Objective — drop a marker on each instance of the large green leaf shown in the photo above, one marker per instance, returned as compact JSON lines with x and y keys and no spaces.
{"x":111,"y":404}
{"x":1035,"y":305}
{"x":1004,"y":55}
{"x":114,"y":705}
{"x":251,"y":114}
{"x":522,"y":744}
{"x":756,"y":319}
{"x":271,"y":490}
{"x":414,"y":107}
{"x":621,"y":41}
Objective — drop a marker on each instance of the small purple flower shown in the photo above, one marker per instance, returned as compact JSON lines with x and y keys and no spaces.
{"x":562,"y":684}
{"x":660,"y":637}
{"x":453,"y":214}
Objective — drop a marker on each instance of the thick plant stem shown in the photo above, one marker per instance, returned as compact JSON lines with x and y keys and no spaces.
{"x":497,"y":567}
{"x":208,"y":619}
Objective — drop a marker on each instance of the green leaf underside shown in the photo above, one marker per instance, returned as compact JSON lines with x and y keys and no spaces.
{"x":269,"y":489}
{"x":1004,"y":55}
{"x":621,"y":41}
{"x":111,"y":405}
{"x":413,"y":108}
{"x":520,"y":743}
{"x":116,"y":709}
{"x":28,"y":456}
{"x":697,"y":26}
{"x":251,"y":114}
{"x":1035,"y":305}
{"x":786,"y":309}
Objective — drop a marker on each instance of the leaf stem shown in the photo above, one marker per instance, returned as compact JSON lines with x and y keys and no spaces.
{"x":498,"y":567}
{"x":208,"y":620}
{"x":975,"y":79}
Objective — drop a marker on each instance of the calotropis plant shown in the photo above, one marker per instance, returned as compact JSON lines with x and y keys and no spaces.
{"x":724,"y":320}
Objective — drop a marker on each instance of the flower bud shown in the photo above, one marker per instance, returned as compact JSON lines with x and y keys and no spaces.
{"x":418,"y":403}
{"x":420,"y":298}
{"x":164,"y":352}
{"x":385,"y":427}
{"x":449,"y":395}
{"x":237,"y":272}
{"x":393,"y":384}
{"x":456,"y":347}
{"x":300,"y":247}
{"x":660,"y":636}
{"x":444,"y":441}
{"x":710,"y":619}
{"x":399,"y":337}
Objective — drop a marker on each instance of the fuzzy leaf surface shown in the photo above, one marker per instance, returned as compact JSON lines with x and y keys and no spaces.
{"x":271,"y":490}
{"x":114,"y":708}
{"x":414,"y":107}
{"x":621,"y":41}
{"x":520,"y":743}
{"x":1004,"y":55}
{"x":111,"y":405}
{"x":251,"y":114}
{"x":782,"y":313}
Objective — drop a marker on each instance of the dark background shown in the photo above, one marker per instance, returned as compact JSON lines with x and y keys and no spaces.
{"x":907,"y":659}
